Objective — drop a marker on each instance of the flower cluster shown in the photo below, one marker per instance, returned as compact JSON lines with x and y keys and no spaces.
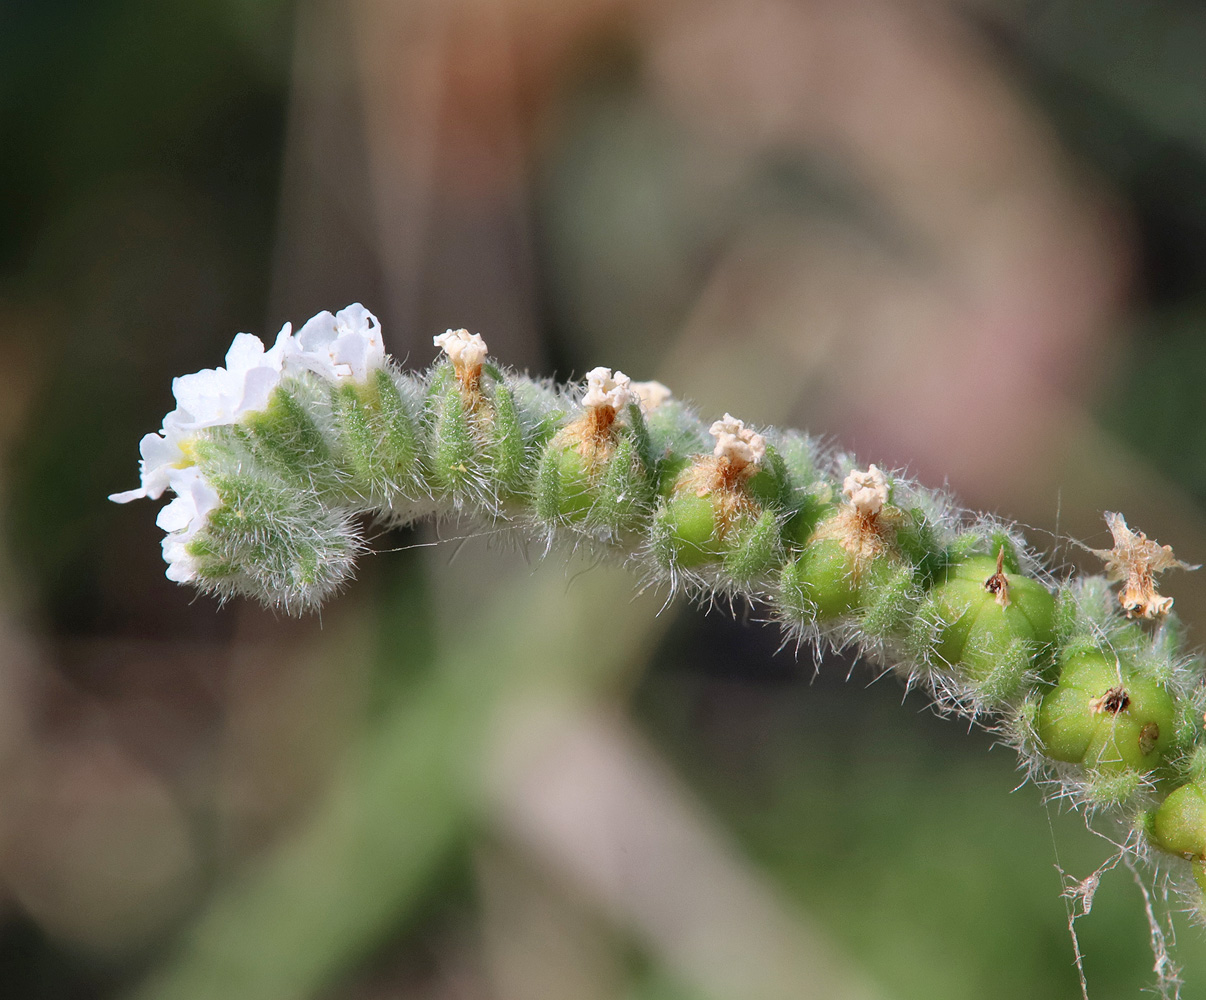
{"x":339,"y":347}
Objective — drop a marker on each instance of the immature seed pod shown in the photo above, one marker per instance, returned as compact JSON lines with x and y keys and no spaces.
{"x":1179,"y":825}
{"x":991,"y":621}
{"x":1104,"y":715}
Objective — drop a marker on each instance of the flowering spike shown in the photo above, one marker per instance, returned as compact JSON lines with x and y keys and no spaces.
{"x":275,"y":457}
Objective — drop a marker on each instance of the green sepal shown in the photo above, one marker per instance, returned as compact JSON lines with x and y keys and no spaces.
{"x":380,"y":438}
{"x":623,"y":489}
{"x":270,"y":542}
{"x":888,"y":600}
{"x":285,"y":436}
{"x":919,"y":543}
{"x":753,"y":548}
{"x":453,"y":466}
{"x":770,"y":485}
{"x":508,"y":449}
{"x":643,"y":446}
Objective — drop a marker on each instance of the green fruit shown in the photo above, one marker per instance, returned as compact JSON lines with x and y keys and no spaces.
{"x":1179,"y":825}
{"x":688,"y":525}
{"x":824,"y":582}
{"x":979,"y":631}
{"x":692,"y":534}
{"x":1103,"y":715}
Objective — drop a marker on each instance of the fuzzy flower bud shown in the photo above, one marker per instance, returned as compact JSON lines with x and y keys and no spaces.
{"x":867,"y":491}
{"x":465,"y":350}
{"x":741,"y":446}
{"x":605,"y":390}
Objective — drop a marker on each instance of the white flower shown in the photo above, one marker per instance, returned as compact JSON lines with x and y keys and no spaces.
{"x":742,"y":446}
{"x":346,"y":345}
{"x":604,"y":389}
{"x":208,"y":398}
{"x":465,"y":350}
{"x":216,"y":396}
{"x":183,"y":518}
{"x":866,"y":491}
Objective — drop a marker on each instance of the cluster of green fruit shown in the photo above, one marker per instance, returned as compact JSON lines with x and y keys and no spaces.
{"x":1089,"y":685}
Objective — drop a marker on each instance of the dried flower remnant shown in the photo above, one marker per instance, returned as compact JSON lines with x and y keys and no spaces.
{"x":1115,"y":700}
{"x":998,"y":583}
{"x":592,"y":433}
{"x":466,"y":351}
{"x":739,"y":449}
{"x":651,"y":394}
{"x":866,"y":492}
{"x":1136,"y":559}
{"x":605,"y":391}
{"x":862,"y":525}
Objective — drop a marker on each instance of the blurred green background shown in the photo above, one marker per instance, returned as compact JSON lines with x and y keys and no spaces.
{"x":967,"y":239}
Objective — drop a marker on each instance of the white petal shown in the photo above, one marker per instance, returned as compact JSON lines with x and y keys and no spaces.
{"x":205,"y":395}
{"x":246,"y":352}
{"x":276,"y":354}
{"x":317,"y":332}
{"x":177,"y":515}
{"x":127,"y":496}
{"x":352,"y":349}
{"x":160,"y":457}
{"x":356,"y":318}
{"x":205,"y":498}
{"x":257,"y":388}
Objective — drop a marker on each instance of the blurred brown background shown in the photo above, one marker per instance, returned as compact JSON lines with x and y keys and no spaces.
{"x":968,"y":240}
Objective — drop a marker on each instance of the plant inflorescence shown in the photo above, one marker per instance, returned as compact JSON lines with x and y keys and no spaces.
{"x":278,"y":459}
